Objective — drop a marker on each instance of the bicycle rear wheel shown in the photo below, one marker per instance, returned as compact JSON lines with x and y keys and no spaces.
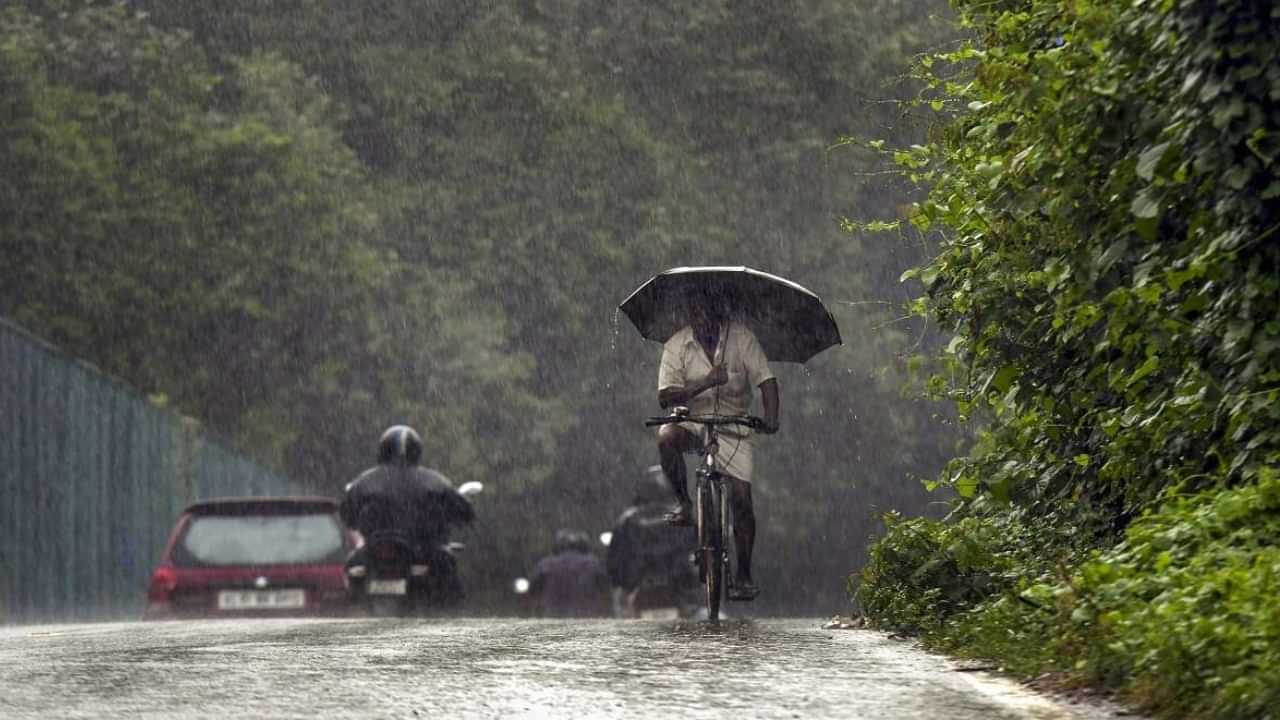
{"x":711,"y":545}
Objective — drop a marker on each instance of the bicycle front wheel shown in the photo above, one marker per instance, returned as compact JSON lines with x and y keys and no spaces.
{"x":714,"y":560}
{"x":711,"y":545}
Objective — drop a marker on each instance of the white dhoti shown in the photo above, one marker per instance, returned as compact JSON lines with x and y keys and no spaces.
{"x":734,"y":456}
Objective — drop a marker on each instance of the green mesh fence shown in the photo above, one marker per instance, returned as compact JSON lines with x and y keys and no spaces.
{"x":92,"y":477}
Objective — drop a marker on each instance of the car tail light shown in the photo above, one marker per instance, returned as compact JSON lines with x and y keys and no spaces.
{"x":163,"y":581}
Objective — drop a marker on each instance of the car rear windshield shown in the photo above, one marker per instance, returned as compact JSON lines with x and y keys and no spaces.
{"x":260,"y":540}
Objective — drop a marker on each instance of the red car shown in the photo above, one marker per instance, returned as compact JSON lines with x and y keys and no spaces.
{"x":253,"y":557}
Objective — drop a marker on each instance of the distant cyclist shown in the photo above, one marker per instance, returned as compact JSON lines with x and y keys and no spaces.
{"x":713,"y":366}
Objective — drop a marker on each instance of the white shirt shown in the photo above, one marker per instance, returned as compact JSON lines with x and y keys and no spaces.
{"x":683,"y":358}
{"x":738,"y":349}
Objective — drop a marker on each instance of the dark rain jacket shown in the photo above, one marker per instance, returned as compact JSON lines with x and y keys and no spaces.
{"x":645,"y":547}
{"x":571,"y":584}
{"x":415,"y":500}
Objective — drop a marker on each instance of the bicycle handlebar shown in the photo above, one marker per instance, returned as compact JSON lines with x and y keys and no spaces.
{"x":750,"y":421}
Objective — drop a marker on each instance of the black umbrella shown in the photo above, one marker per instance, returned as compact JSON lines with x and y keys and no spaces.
{"x":791,"y":323}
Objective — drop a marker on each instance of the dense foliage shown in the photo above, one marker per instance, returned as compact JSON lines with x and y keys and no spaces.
{"x":302,"y":221}
{"x":1107,"y":181}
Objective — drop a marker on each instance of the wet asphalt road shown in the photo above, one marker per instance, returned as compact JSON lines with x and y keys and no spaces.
{"x":491,"y":668}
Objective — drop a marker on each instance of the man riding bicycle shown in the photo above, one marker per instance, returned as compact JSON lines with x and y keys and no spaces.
{"x":712,"y":366}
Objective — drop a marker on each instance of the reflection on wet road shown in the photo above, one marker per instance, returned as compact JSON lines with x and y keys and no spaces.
{"x":490,"y":668}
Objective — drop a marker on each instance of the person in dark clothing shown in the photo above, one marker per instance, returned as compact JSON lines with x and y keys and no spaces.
{"x":649,"y":561}
{"x":398,"y":495}
{"x":571,"y":582}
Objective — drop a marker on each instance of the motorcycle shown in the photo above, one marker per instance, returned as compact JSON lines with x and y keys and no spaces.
{"x":389,"y":577}
{"x":656,"y":599}
{"x":670,"y":595}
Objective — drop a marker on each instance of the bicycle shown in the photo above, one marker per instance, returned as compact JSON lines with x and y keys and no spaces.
{"x":714,"y":515}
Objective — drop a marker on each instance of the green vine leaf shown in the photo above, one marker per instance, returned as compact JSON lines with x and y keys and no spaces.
{"x":1151,"y":159}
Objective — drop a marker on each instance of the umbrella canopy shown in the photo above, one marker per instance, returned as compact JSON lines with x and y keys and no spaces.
{"x":790,"y":322}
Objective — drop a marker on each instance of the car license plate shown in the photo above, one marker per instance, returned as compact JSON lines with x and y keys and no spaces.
{"x":388,"y":587}
{"x":261,"y":599}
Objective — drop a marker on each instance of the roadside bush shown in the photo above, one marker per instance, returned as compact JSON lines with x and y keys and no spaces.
{"x":1015,"y":629}
{"x":923,"y":571}
{"x":1184,"y":615}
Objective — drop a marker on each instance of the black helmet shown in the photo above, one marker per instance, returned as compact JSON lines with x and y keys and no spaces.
{"x":652,"y":486}
{"x":567,"y":539}
{"x":399,"y":445}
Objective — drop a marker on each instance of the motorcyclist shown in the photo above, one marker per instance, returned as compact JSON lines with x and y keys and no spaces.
{"x":649,"y":561}
{"x":400,"y":496}
{"x":571,"y":582}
